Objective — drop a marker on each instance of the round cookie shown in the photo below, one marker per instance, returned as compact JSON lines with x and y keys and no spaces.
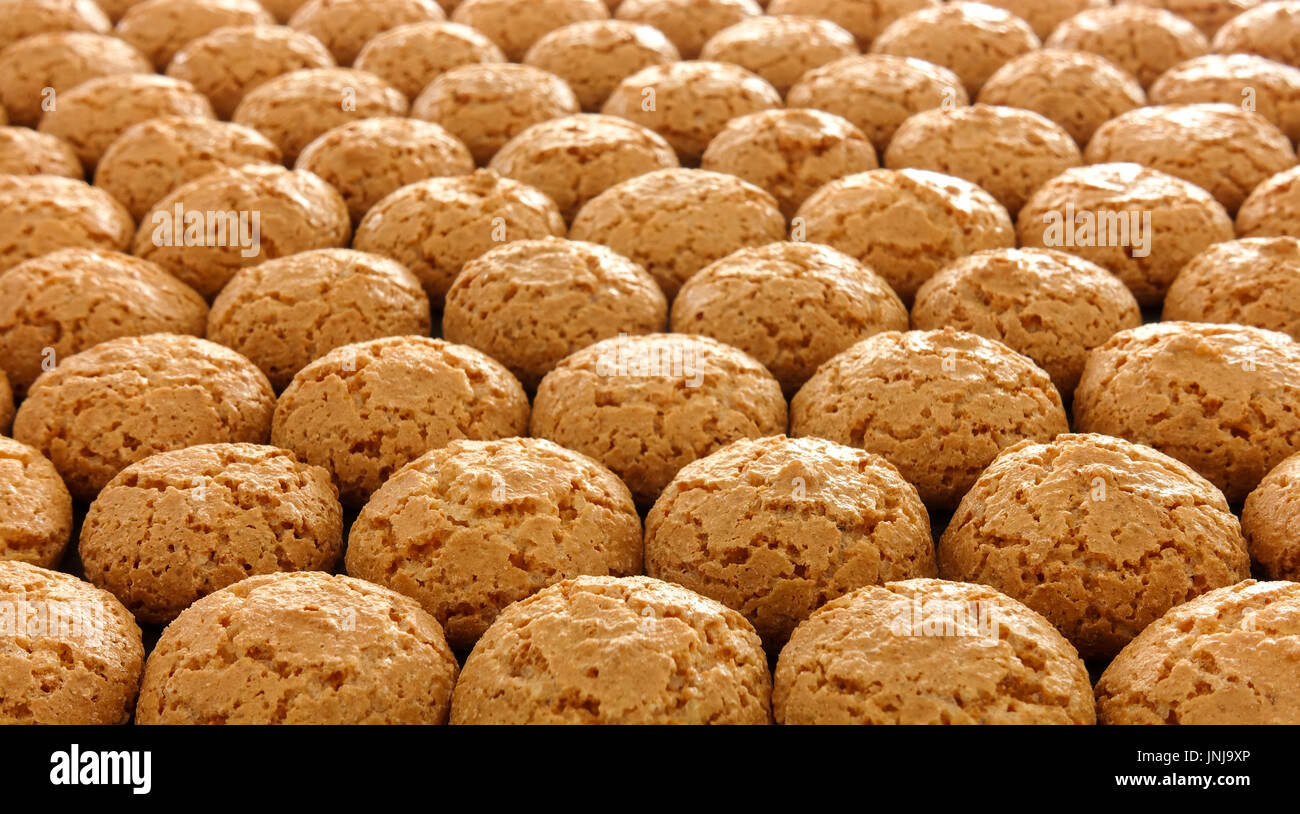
{"x":1269,"y":88}
{"x":877,"y":93}
{"x":939,"y":405}
{"x":1207,"y":15}
{"x":486,"y":105}
{"x":25,"y":18}
{"x":971,"y":39}
{"x":1220,"y":148}
{"x":299,"y":648}
{"x":1270,"y":29}
{"x":92,"y":115}
{"x":531,"y":303}
{"x":1145,"y":42}
{"x":79,"y":657}
{"x":35,"y":507}
{"x":1224,"y":399}
{"x":123,"y":400}
{"x":1269,"y":520}
{"x":689,"y":103}
{"x":231,"y":61}
{"x":1099,"y":535}
{"x":790,"y":152}
{"x":286,"y":313}
{"x":645,"y":406}
{"x":1254,"y":281}
{"x":264,"y":212}
{"x":1045,"y":15}
{"x":1273,"y":208}
{"x":45,"y":213}
{"x":777,"y":527}
{"x":1223,"y":658}
{"x":864,"y":19}
{"x":59,"y":61}
{"x":295,"y":108}
{"x":675,"y":222}
{"x":435,"y":227}
{"x":595,"y":56}
{"x":160,"y":28}
{"x":345,"y":26}
{"x":368,"y":159}
{"x":343,"y":412}
{"x":179,"y":525}
{"x":68,"y":301}
{"x":154,"y":157}
{"x":575,"y":158}
{"x":1051,"y":306}
{"x":1077,"y":90}
{"x":1007,"y":151}
{"x":1109,"y":205}
{"x":926,"y":651}
{"x":802,"y":304}
{"x":780,"y":49}
{"x":537,"y":514}
{"x":607,"y":650}
{"x":904,"y":224}
{"x":24,"y":151}
{"x":515,"y":25}
{"x":411,"y":56}
{"x":689,"y":24}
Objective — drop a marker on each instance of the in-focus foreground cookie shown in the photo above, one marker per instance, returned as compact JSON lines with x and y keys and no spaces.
{"x":35,"y":507}
{"x":1255,"y":281}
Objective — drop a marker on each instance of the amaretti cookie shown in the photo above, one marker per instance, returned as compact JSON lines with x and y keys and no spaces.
{"x":76,"y":659}
{"x":435,"y":227}
{"x":1099,"y":535}
{"x":35,"y":507}
{"x":1051,"y":306}
{"x":595,"y":56}
{"x":1224,"y":658}
{"x":352,"y":653}
{"x":926,"y":651}
{"x":1255,"y":281}
{"x":365,"y":410}
{"x":515,"y":25}
{"x":865,"y":20}
{"x":24,"y":151}
{"x":1270,"y":29}
{"x":1045,"y":15}
{"x":45,"y":213}
{"x":531,"y":303}
{"x":1273,"y":208}
{"x":1207,"y":15}
{"x":125,"y":399}
{"x":68,"y":301}
{"x":608,"y":650}
{"x":160,"y":28}
{"x":470,"y":528}
{"x":1143,"y":41}
{"x":286,"y":313}
{"x":790,"y":305}
{"x":59,"y":61}
{"x":904,"y":224}
{"x":939,"y":405}
{"x":689,"y":24}
{"x":1269,"y":88}
{"x":206,"y":230}
{"x":1224,"y":399}
{"x":645,"y":406}
{"x":411,"y":56}
{"x":779,"y":48}
{"x":24,"y":18}
{"x":674,"y":222}
{"x":1140,"y":224}
{"x":1007,"y":151}
{"x":345,"y":26}
{"x":1269,"y":520}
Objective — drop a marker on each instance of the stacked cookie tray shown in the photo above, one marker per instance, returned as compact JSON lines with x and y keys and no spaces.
{"x":653,"y":361}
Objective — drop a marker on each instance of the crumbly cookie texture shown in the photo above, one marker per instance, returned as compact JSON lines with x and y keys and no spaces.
{"x":645,"y":406}
{"x":79,"y":658}
{"x":179,"y":525}
{"x":35,"y":507}
{"x":515,"y":25}
{"x":776,"y":527}
{"x":411,"y":56}
{"x":24,"y":151}
{"x":1207,"y":15}
{"x":125,"y":399}
{"x":1270,"y":88}
{"x":286,"y":313}
{"x":780,"y":49}
{"x":67,"y":301}
{"x":25,"y":18}
{"x":1099,"y":535}
{"x":160,"y":28}
{"x":878,"y":92}
{"x":1045,"y":15}
{"x":575,"y":158}
{"x":1007,"y":151}
{"x":1271,"y":30}
{"x":531,"y":303}
{"x":1051,"y":306}
{"x":59,"y":60}
{"x":608,"y":650}
{"x":1223,"y":658}
{"x":1254,"y":281}
{"x":1269,"y":519}
{"x":1145,"y":42}
{"x":926,"y":651}
{"x":345,"y":26}
{"x":675,"y":222}
{"x":363,"y":411}
{"x":1224,"y":399}
{"x":299,"y":648}
{"x":470,"y":528}
{"x":45,"y":213}
{"x":689,"y":23}
{"x":939,"y":405}
{"x":865,"y":19}
{"x":904,"y":224}
{"x":435,"y":227}
{"x":1273,"y":208}
{"x":295,"y":212}
{"x":1077,"y":90}
{"x":595,"y":56}
{"x":1113,"y":201}
{"x":791,"y":306}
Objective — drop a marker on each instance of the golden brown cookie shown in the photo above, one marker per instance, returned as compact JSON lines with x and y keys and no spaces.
{"x":160,"y":28}
{"x":780,"y":49}
{"x":345,"y":26}
{"x":1269,"y":519}
{"x":24,"y":151}
{"x":25,"y":18}
{"x":411,"y":56}
{"x":926,"y":651}
{"x":1207,"y":15}
{"x":864,"y":19}
{"x":59,"y":61}
{"x":1252,"y":82}
{"x":595,"y":56}
{"x":45,"y":213}
{"x":1145,"y":42}
{"x":1271,"y":30}
{"x":35,"y":507}
{"x":1045,"y":15}
{"x":515,"y":25}
{"x":1254,"y":281}
{"x":1273,"y":208}
{"x":689,"y":24}
{"x":299,"y":648}
{"x":609,"y":650}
